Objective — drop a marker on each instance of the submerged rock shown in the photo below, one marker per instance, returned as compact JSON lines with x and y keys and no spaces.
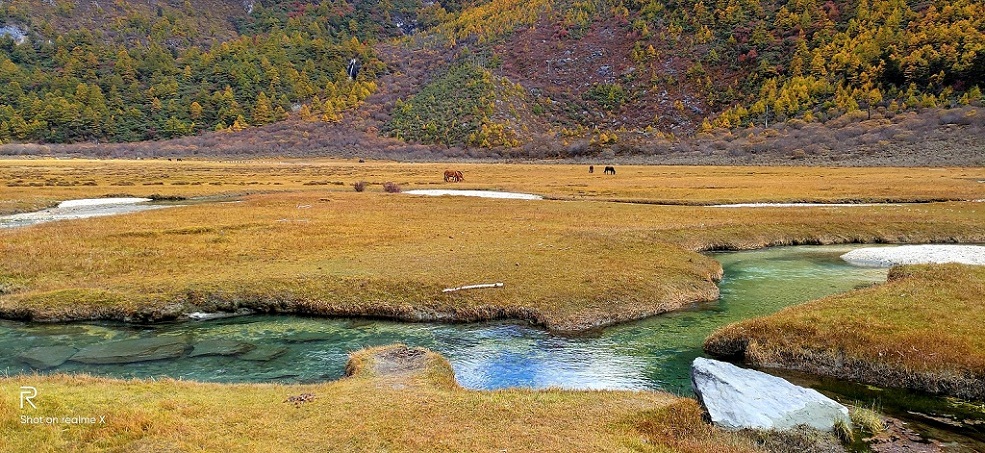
{"x":46,"y":357}
{"x":129,"y":351}
{"x":307,"y":337}
{"x":263,"y":354}
{"x":220,"y":347}
{"x":275,"y":376}
{"x":738,"y":398}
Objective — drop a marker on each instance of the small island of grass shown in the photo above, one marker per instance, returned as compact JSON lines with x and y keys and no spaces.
{"x":921,"y":330}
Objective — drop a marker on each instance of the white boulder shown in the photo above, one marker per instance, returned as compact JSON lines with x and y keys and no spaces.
{"x":738,"y":398}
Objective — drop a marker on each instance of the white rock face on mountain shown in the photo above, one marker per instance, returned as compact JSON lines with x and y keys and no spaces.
{"x":738,"y":398}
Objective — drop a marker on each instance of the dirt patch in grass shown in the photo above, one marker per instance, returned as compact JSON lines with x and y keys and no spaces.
{"x":399,"y":361}
{"x":920,"y":331}
{"x":389,"y":361}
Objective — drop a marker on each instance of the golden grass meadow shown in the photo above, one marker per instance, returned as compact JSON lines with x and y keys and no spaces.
{"x":29,"y":184}
{"x":293,"y":236}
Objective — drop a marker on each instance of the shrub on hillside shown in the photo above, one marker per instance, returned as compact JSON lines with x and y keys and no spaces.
{"x":391,"y":187}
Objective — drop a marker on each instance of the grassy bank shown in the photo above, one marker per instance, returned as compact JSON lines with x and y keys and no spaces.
{"x":396,"y":399}
{"x":921,"y":330}
{"x":325,"y":249}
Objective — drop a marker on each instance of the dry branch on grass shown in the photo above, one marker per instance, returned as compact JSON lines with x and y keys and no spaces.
{"x":478,"y":286}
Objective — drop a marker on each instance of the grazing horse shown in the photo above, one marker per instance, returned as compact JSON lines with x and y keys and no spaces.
{"x":454,"y":176}
{"x":591,"y":169}
{"x":610,"y":170}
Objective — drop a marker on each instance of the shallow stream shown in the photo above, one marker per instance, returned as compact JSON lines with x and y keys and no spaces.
{"x":651,"y":354}
{"x":81,"y":209}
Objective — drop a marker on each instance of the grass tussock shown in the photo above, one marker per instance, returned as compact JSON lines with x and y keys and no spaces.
{"x":867,"y":419}
{"x":843,"y":429}
{"x":890,"y":335}
{"x":419,"y":410}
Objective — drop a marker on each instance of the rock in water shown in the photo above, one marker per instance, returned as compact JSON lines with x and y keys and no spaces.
{"x":129,"y":351}
{"x":220,"y":347}
{"x":47,"y":356}
{"x":263,"y":354}
{"x":738,"y":398}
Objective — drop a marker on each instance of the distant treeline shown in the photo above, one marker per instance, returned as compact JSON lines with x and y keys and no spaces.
{"x":931,"y":137}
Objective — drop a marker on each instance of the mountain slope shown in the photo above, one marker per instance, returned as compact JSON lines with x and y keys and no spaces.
{"x":580,"y":77}
{"x":685,"y":66}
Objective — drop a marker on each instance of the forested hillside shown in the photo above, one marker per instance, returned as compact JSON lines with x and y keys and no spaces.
{"x":576,"y":76}
{"x":157,"y":72}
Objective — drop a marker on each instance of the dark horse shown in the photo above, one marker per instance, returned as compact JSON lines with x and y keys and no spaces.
{"x":591,"y":169}
{"x":610,"y":170}
{"x":454,"y":176}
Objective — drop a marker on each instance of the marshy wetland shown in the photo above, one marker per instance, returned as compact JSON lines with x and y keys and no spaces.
{"x":584,"y":271}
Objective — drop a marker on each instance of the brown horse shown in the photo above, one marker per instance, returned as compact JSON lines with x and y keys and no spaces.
{"x":454,"y":176}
